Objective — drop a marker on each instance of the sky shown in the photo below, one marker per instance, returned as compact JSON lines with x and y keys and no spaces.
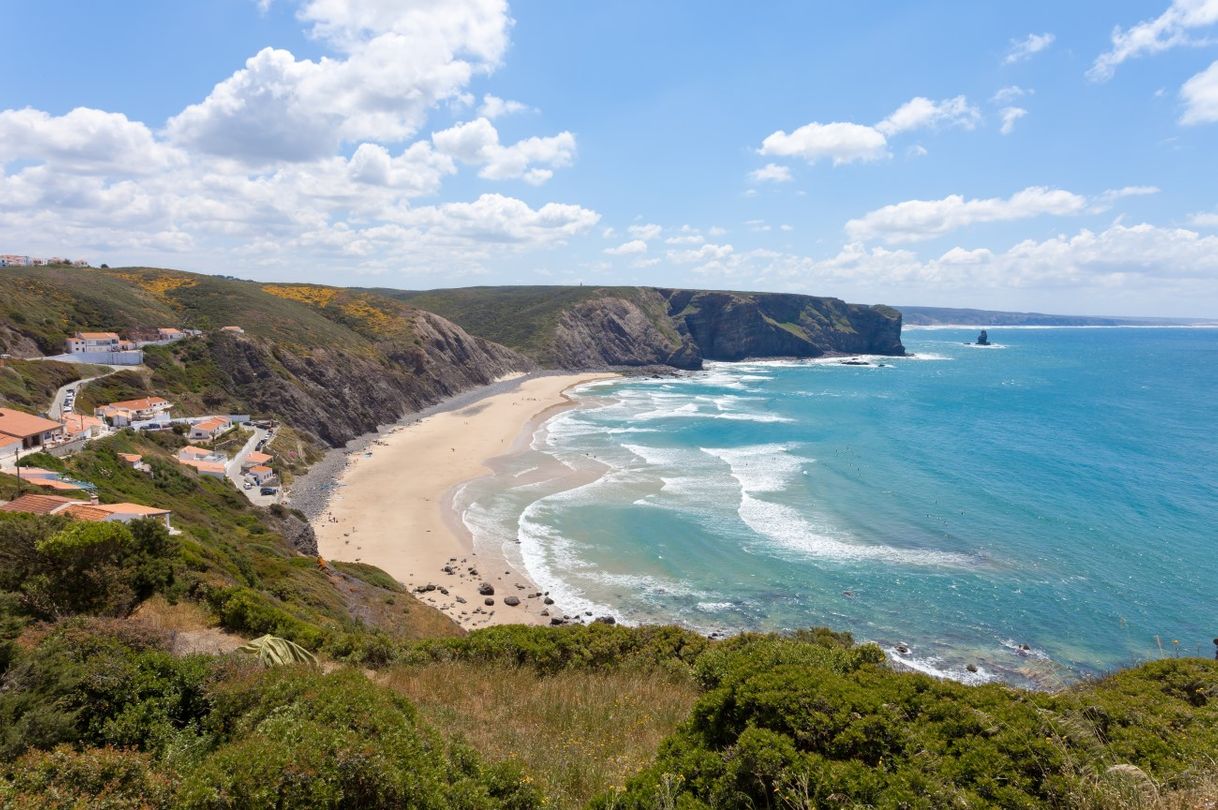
{"x":1058,"y":157}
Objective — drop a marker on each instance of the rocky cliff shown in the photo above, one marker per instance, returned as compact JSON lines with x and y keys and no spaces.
{"x":338,"y":395}
{"x":735,"y":326}
{"x":594,"y":327}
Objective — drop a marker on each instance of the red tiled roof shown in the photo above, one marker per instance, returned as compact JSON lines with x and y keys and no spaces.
{"x":36,"y":504}
{"x":23,"y":425}
{"x":84,"y":511}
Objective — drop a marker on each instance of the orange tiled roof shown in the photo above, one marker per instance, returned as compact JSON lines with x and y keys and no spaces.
{"x":257,"y":458}
{"x":260,"y":470}
{"x":190,"y":451}
{"x":98,"y":335}
{"x":210,"y":424}
{"x":138,"y":404}
{"x":131,"y":458}
{"x":22,"y":425}
{"x":36,"y":504}
{"x":130,"y":509}
{"x":79,"y":422}
{"x":84,"y":511}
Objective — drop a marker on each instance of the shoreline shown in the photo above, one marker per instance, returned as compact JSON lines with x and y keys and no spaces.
{"x":387,"y":498}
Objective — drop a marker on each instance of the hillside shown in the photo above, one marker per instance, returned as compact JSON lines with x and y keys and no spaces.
{"x":948,"y":316}
{"x":589,"y":327}
{"x":333,"y":363}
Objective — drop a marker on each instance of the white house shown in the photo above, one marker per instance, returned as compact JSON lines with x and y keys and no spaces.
{"x":208,"y":429}
{"x":121,"y":414}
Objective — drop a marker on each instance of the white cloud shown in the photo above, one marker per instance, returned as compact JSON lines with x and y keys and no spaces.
{"x":1009,"y":116}
{"x":477,"y":142}
{"x":1027,"y":47}
{"x":917,"y":151}
{"x":846,"y":142}
{"x":1206,"y":219}
{"x":84,"y":140}
{"x":1200,"y":97}
{"x":757,"y":225}
{"x":494,"y":107}
{"x":707,"y":252}
{"x":1012,"y":92}
{"x":645,"y":232}
{"x":628,"y":248}
{"x":1104,"y":202}
{"x":396,"y":61}
{"x":771,"y":173}
{"x":920,"y":113}
{"x":688,"y":239}
{"x":916,"y":220}
{"x":1170,"y":29}
{"x":840,"y":142}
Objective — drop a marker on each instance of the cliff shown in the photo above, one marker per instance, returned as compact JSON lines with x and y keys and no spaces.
{"x":593,"y":327}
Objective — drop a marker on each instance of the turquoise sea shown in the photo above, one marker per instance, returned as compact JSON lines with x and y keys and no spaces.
{"x":1057,"y":490}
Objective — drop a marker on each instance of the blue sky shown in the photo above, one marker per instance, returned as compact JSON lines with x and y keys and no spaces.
{"x":1048,"y":156}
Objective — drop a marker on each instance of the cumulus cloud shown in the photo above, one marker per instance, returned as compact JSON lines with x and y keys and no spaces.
{"x":771,"y":173}
{"x":1012,"y":92}
{"x":840,"y":142}
{"x":494,"y":107}
{"x":1104,"y":202}
{"x":1009,"y":116}
{"x":1027,"y":47}
{"x":645,"y":232}
{"x":916,"y":220}
{"x":1207,"y":219}
{"x":846,"y":142}
{"x":707,"y":252}
{"x":1173,"y":28}
{"x":1200,"y":97}
{"x":920,"y":113}
{"x":477,"y":142}
{"x":634,"y":246}
{"x":288,"y":162}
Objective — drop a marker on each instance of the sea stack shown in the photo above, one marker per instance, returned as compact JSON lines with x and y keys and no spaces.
{"x":983,"y":339}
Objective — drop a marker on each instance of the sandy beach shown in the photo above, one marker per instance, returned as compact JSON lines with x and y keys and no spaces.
{"x":392,"y":509}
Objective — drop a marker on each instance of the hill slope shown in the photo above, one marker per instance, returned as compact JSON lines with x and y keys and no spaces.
{"x":936,"y":316}
{"x":588,"y":327}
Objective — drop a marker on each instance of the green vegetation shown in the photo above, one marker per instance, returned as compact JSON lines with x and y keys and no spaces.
{"x":525,"y":318}
{"x":29,"y":385}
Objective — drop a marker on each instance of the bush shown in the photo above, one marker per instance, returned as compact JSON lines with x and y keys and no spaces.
{"x":85,"y":567}
{"x":295,"y":738}
{"x":104,"y":778}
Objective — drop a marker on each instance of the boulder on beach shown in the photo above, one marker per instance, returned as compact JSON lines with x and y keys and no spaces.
{"x":486,"y":589}
{"x":511,"y":601}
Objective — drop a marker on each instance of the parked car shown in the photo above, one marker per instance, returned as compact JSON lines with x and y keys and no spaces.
{"x":268,"y":491}
{"x":247,"y":485}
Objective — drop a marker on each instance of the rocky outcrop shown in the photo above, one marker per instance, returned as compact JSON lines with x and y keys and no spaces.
{"x":735,"y":326}
{"x":338,"y":395}
{"x":616,"y":332}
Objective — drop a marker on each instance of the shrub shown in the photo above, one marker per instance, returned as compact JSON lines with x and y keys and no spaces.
{"x":104,"y":778}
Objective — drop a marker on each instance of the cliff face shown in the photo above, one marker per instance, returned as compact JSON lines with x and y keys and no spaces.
{"x":689,"y":326}
{"x":338,"y":395}
{"x":734,"y":326}
{"x":618,"y":332}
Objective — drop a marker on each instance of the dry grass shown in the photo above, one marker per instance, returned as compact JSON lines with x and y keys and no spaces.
{"x":577,"y":733}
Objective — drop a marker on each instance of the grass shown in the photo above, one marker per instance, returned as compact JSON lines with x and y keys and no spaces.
{"x":29,"y":385}
{"x":294,"y":452}
{"x":577,"y":732}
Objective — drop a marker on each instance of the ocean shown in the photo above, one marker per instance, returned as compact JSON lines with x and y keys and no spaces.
{"x":1035,"y":511}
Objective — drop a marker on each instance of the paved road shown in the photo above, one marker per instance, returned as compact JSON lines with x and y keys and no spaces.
{"x":56,"y":410}
{"x":234,"y":471}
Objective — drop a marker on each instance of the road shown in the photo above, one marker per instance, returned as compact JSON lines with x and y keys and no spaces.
{"x":233,"y":471}
{"x":56,"y":410}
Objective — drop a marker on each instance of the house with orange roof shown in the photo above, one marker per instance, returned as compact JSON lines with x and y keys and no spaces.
{"x":31,"y":431}
{"x":145,"y":409}
{"x":169,"y":333}
{"x":79,"y":424}
{"x":204,"y":461}
{"x":209,"y":428}
{"x":261,"y":474}
{"x":85,"y":510}
{"x":87,"y":342}
{"x":254,"y":459}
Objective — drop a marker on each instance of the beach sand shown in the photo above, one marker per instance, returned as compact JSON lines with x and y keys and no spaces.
{"x":392,"y":508}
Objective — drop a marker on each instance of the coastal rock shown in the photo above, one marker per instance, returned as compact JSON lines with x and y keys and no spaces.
{"x":604,"y":620}
{"x":488,"y":601}
{"x":511,"y":601}
{"x":486,"y":589}
{"x":547,"y":601}
{"x":983,"y":339}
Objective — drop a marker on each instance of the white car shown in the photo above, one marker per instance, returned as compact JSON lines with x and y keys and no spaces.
{"x":247,"y":485}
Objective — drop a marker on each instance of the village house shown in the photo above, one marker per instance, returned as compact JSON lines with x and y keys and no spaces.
{"x":122,"y":414}
{"x":254,"y":459}
{"x":88,"y":342}
{"x":208,"y":429}
{"x":261,"y":474}
{"x":23,"y":431}
{"x":86,"y":510}
{"x":76,"y":425}
{"x":203,"y":461}
{"x":169,"y":333}
{"x":13,"y":260}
